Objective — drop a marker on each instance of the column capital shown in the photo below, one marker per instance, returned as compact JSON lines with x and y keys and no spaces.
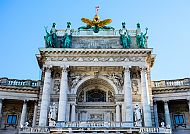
{"x":73,"y":104}
{"x":126,"y":68}
{"x":143,"y":69}
{"x":25,"y":101}
{"x":117,"y":104}
{"x":165,"y":101}
{"x":65,"y":68}
{"x":47,"y":68}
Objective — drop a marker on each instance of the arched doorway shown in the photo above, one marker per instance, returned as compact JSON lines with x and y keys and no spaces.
{"x":95,"y":101}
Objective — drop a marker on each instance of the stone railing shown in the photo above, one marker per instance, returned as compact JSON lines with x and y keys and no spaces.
{"x":91,"y":32}
{"x":20,"y":83}
{"x":171,"y":83}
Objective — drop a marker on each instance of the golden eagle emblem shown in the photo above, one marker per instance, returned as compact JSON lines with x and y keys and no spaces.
{"x":96,"y":23}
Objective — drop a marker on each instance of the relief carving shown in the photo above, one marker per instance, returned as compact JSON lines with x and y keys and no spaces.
{"x":75,"y":78}
{"x":117,"y":80}
{"x":99,"y":59}
{"x":135,"y":87}
{"x":56,"y":86}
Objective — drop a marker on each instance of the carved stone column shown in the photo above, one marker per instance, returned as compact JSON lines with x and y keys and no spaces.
{"x":63,"y":95}
{"x":45,"y":98}
{"x":23,"y":114}
{"x":167,"y":113}
{"x":145,"y":99}
{"x":128,"y":98}
{"x":117,"y":112}
{"x":156,"y":114}
{"x":73,"y":112}
{"x":35,"y":114}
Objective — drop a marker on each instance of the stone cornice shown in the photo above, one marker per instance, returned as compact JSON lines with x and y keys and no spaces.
{"x":102,"y":55}
{"x":16,"y":89}
{"x":70,"y":51}
{"x":165,"y":90}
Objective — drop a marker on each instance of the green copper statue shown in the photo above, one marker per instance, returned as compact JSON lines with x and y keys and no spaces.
{"x":66,"y":41}
{"x":125,"y":39}
{"x":51,"y":38}
{"x":141,"y":39}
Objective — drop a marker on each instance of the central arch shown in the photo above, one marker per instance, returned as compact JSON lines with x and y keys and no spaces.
{"x":96,"y":99}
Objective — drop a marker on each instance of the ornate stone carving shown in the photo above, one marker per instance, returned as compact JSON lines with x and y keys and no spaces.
{"x":52,"y":114}
{"x":81,"y":96}
{"x":75,"y":78}
{"x":135,"y":87}
{"x":138,"y":116}
{"x":56,"y":86}
{"x":99,"y":59}
{"x":117,"y":79}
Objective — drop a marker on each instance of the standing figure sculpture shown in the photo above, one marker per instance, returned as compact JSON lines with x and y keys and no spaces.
{"x":66,"y":41}
{"x":141,"y":39}
{"x":53,"y":112}
{"x":125,"y":39}
{"x":137,"y":115}
{"x":51,"y":38}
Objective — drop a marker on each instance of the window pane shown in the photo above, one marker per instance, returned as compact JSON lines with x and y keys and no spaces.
{"x":9,"y":120}
{"x":181,"y":119}
{"x":14,"y":119}
{"x":96,"y":95}
{"x":176,"y":119}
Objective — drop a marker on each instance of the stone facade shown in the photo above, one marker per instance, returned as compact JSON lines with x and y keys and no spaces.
{"x":96,"y":84}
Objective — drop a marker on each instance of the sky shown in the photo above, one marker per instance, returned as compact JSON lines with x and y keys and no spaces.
{"x":22,"y":29}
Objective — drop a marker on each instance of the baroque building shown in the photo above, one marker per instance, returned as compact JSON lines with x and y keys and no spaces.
{"x":95,"y":80}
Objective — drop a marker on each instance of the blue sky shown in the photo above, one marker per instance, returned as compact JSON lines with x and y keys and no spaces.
{"x":22,"y":29}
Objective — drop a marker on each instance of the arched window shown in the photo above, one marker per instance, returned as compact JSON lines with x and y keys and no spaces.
{"x":95,"y":95}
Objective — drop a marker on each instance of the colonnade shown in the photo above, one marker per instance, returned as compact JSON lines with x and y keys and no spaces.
{"x":128,"y":104}
{"x":24,"y":111}
{"x":166,"y":112}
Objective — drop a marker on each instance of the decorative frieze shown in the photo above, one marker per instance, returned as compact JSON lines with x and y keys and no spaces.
{"x":97,"y":59}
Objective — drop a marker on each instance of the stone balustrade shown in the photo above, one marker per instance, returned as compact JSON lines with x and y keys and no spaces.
{"x":91,"y":32}
{"x":88,"y":124}
{"x":171,"y":83}
{"x":20,"y":83}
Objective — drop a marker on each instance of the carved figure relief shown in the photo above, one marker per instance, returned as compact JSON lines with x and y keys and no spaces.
{"x":81,"y":96}
{"x":117,"y":80}
{"x":135,"y":87}
{"x":56,"y":86}
{"x":138,"y":116}
{"x":75,"y":78}
{"x":53,"y":112}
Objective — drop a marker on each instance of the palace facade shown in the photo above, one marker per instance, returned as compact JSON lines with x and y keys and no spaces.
{"x":95,"y":80}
